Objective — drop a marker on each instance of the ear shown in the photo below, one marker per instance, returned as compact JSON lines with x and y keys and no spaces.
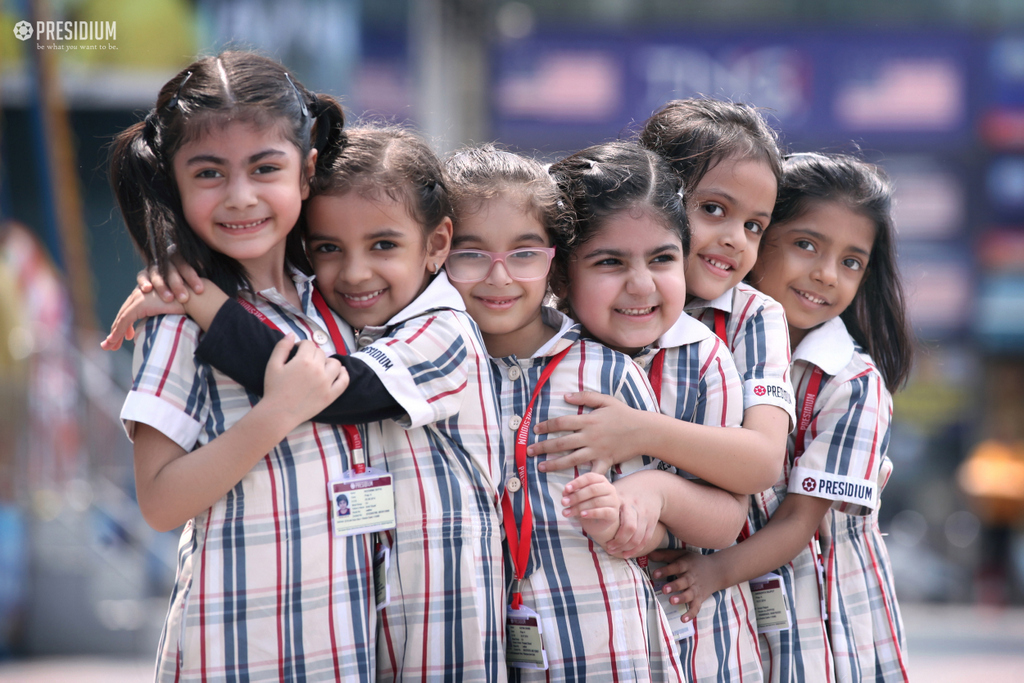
{"x":439,"y":243}
{"x":310,"y":171}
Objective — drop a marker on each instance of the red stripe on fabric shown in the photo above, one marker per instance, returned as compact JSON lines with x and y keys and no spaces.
{"x":202,"y":605}
{"x":771,"y":659}
{"x":420,"y":331}
{"x":174,"y":351}
{"x":711,"y":356}
{"x":426,"y":556}
{"x":387,"y":639}
{"x":725,"y":394}
{"x":743,"y":317}
{"x":330,"y":558}
{"x":885,"y":602}
{"x":607,"y":602}
{"x":746,"y":610}
{"x":829,"y":576}
{"x":448,"y":393}
{"x":277,"y":544}
{"x":874,"y":438}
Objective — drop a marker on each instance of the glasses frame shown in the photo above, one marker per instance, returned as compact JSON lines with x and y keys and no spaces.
{"x":499,"y":257}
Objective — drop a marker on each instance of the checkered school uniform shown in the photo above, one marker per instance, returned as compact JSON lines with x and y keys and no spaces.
{"x":446,"y":615}
{"x":600,"y":617}
{"x":264,"y":590}
{"x":757,"y":334}
{"x":845,"y":460}
{"x":699,"y":384}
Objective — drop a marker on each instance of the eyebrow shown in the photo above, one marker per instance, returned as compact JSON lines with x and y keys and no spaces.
{"x":619,"y":253}
{"x":732,"y":200}
{"x":384,"y":233}
{"x":825,"y":238}
{"x":474,"y":239}
{"x":212,"y":159}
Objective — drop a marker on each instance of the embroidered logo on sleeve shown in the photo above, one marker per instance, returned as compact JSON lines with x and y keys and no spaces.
{"x":833,"y":486}
{"x":810,"y":484}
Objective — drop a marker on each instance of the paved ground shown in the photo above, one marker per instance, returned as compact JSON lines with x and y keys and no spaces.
{"x":946,"y":643}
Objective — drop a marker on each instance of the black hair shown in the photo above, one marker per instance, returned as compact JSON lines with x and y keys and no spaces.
{"x":479,"y":174}
{"x":877,"y":317}
{"x":604,"y":180}
{"x":695,"y":134}
{"x":389,"y":161}
{"x":233,"y":86}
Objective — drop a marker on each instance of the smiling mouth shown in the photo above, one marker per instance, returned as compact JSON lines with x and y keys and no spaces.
{"x":716,"y":263}
{"x":243,"y":226}
{"x":362,"y":298}
{"x":496,"y":302}
{"x":636,"y":311}
{"x":810,"y":297}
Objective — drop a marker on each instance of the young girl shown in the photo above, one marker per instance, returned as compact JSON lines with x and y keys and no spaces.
{"x":378,"y":229}
{"x":598,"y":614}
{"x":217,"y":172}
{"x":830,"y":261}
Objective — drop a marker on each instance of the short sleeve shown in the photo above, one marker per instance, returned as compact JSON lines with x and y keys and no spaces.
{"x":761,"y":351}
{"x":849,"y":437}
{"x":169,"y":390}
{"x":425,"y":364}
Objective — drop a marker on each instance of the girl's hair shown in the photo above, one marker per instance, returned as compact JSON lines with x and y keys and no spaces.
{"x":233,"y":86}
{"x":604,"y":180}
{"x":695,"y":134}
{"x":389,"y":161}
{"x":477,"y":175}
{"x":877,"y":317}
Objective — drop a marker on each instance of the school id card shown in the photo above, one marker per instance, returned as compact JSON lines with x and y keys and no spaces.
{"x":680,"y":629}
{"x":524,"y":642}
{"x":362,"y":502}
{"x":770,"y":603}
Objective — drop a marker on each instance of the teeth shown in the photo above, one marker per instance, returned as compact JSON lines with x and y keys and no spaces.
{"x":242,"y":226}
{"x":718,"y":264}
{"x":363,"y":297}
{"x":636,"y":311}
{"x":813,"y":299}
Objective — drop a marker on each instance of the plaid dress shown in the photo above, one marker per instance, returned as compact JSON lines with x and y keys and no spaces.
{"x":699,"y":384}
{"x":600,"y":617}
{"x":446,"y":616}
{"x":844,"y":460}
{"x":264,"y":590}
{"x":848,"y":455}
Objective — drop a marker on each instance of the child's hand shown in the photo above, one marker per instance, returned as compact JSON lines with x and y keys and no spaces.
{"x":301,"y":387}
{"x":136,"y":307}
{"x":638,"y":523}
{"x":180,"y":277}
{"x":697,"y":578}
{"x":594,"y":500}
{"x":602,"y":437}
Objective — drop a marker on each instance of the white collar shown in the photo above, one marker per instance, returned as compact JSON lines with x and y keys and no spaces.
{"x":722,"y":303}
{"x":684,"y":331}
{"x":439,"y":294}
{"x":564,"y":324}
{"x":829,"y":346}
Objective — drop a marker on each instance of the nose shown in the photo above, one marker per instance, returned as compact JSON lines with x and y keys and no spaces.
{"x":732,"y":235}
{"x":355,"y":270}
{"x":826,"y":273}
{"x":241,"y":192}
{"x":498,"y":274}
{"x":640,"y":282}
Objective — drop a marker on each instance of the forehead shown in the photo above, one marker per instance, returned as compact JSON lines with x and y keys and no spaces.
{"x":633,"y":229}
{"x":354,"y":213}
{"x":845,"y":227}
{"x":748,"y":178}
{"x":238,"y":136}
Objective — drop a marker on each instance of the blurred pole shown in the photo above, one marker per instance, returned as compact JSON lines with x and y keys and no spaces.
{"x":60,"y":189}
{"x":450,"y":41}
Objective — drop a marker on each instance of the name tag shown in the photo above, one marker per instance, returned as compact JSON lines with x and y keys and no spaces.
{"x":524,"y":644}
{"x":680,"y":629}
{"x":770,"y":603}
{"x":362,"y":503}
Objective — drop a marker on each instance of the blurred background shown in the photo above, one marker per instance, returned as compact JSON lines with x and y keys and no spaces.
{"x":931,"y":89}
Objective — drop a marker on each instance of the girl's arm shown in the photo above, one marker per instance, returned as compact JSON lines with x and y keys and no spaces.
{"x":747,"y":460}
{"x":595,"y":502}
{"x":174,"y":485}
{"x":787,"y":533}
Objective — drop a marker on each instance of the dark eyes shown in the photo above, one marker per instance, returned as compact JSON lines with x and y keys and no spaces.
{"x":384,"y":245}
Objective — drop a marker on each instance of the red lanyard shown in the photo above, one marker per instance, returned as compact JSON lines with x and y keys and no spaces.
{"x":519,"y":539}
{"x":720,"y":324}
{"x":810,"y":395}
{"x":355,"y":442}
{"x":654,"y":374}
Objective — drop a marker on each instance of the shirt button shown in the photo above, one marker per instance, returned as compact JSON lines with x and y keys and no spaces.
{"x":514,"y":423}
{"x":514,"y":373}
{"x":319,"y":337}
{"x":513,"y":484}
{"x":364,"y":340}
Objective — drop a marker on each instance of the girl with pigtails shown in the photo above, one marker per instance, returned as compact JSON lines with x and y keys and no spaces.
{"x":217,"y":174}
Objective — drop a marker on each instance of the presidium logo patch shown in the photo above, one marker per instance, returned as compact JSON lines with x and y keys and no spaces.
{"x":809,"y":484}
{"x":760,"y":391}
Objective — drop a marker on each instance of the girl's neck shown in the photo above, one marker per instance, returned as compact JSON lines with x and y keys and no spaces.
{"x":271,"y":273}
{"x":521,"y":343}
{"x":795,"y":337}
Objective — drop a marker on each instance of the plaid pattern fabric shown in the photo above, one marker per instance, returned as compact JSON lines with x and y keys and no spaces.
{"x":446,"y":617}
{"x":600,"y":617}
{"x":264,"y":591}
{"x":699,"y":384}
{"x":757,"y":334}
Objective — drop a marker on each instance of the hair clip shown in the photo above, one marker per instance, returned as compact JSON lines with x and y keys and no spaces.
{"x":302,"y":102}
{"x":173,"y":102}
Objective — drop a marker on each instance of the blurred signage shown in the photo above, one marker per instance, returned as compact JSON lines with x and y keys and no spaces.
{"x":1000,"y":312}
{"x":939,"y":284}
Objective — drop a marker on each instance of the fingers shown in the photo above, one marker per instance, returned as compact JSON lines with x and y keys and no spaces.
{"x":564,"y":423}
{"x":279,"y":356}
{"x":676,"y":559}
{"x":591,"y":399}
{"x":177,"y":285}
{"x":693,"y":606}
{"x":629,"y":519}
{"x":188,"y":274}
{"x":588,"y":494}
